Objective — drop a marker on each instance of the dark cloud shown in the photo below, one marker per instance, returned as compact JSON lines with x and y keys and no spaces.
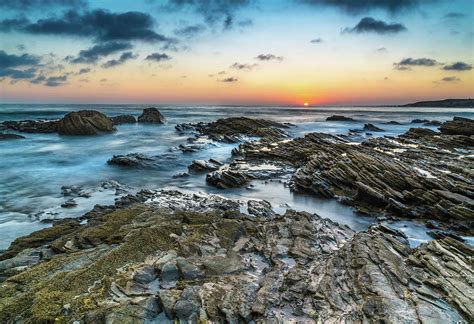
{"x":213,"y":10}
{"x":450,"y":79}
{"x":126,"y":56}
{"x":190,"y":31}
{"x":40,"y":4}
{"x":454,"y":15}
{"x":316,"y":40}
{"x":359,"y":6}
{"x":407,"y":63}
{"x":96,"y":52}
{"x":18,"y":74}
{"x":245,"y":23}
{"x":371,"y":25}
{"x":83,"y":71}
{"x":21,"y":47}
{"x":269,"y":57}
{"x":230,"y":80}
{"x":240,"y":66}
{"x":458,"y":66}
{"x":158,"y":57}
{"x":55,"y":81}
{"x":99,"y":24}
{"x":11,"y":60}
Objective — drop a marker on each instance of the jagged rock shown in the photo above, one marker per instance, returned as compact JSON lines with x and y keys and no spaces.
{"x":134,"y":160}
{"x":339,"y":118}
{"x":372,"y":128}
{"x":4,"y":137}
{"x":204,"y":166}
{"x":151,"y":116}
{"x":260,"y":208}
{"x":123,"y":119}
{"x":85,"y":122}
{"x":419,"y":121}
{"x":74,"y":191}
{"x":458,"y":126}
{"x":227,"y":179}
{"x":433,"y":123}
{"x":393,"y":122}
{"x":31,"y":126}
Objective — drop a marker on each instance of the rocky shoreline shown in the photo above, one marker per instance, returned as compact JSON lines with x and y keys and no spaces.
{"x":166,"y":255}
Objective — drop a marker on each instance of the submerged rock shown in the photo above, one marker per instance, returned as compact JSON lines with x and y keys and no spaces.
{"x":204,"y":166}
{"x":458,"y":126}
{"x":131,"y":160}
{"x":85,"y":122}
{"x":372,"y":128}
{"x":4,"y":137}
{"x":339,"y":118}
{"x":32,"y":126}
{"x":151,"y":116}
{"x":123,"y":119}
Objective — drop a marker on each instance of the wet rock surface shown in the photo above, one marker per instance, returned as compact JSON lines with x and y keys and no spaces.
{"x":123,"y":119}
{"x":458,"y":126}
{"x":339,"y":118}
{"x":31,"y":126}
{"x":5,"y":137}
{"x":151,"y":116}
{"x":137,"y":160}
{"x":196,"y":257}
{"x":85,"y":122}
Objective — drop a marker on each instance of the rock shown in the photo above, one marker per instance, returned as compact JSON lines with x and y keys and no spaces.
{"x":123,"y":119}
{"x":74,"y":191}
{"x":145,"y":275}
{"x":4,"y":137}
{"x":71,"y":203}
{"x":85,"y":122}
{"x":372,"y":128}
{"x":339,"y":118}
{"x":458,"y":126}
{"x":393,"y":122}
{"x":32,"y":126}
{"x":227,"y":179}
{"x":260,"y":208}
{"x":204,"y":166}
{"x":438,"y":234}
{"x":419,"y":121}
{"x":420,"y":132}
{"x":169,"y":275}
{"x":188,"y":306}
{"x":433,"y":123}
{"x":151,"y":116}
{"x":133,"y":160}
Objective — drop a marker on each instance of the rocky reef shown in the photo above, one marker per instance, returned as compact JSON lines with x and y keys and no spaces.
{"x":165,"y":255}
{"x":85,"y":122}
{"x":151,"y":116}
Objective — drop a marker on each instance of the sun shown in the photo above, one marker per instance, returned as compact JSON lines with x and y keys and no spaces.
{"x":306,"y":104}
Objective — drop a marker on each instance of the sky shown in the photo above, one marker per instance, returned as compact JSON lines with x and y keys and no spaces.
{"x":236,"y":52}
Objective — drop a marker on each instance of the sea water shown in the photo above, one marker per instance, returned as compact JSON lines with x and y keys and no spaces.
{"x":33,"y":170}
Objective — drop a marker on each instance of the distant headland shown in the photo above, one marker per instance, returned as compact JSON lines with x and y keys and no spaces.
{"x":447,"y":103}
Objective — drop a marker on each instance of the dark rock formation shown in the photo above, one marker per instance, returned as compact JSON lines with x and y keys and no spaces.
{"x":151,"y":116}
{"x":197,"y":258}
{"x":372,"y":128}
{"x":131,"y":160}
{"x":447,"y":103}
{"x":458,"y":126}
{"x":123,"y":119}
{"x":433,"y":123}
{"x":4,"y":137}
{"x":339,"y":118}
{"x":204,"y":166}
{"x":85,"y":122}
{"x":31,"y":126}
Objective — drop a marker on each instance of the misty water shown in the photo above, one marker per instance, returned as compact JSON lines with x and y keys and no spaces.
{"x":34,"y":169}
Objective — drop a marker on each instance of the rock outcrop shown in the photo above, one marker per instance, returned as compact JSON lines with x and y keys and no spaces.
{"x":31,"y":126}
{"x":123,"y":119}
{"x":151,"y":116}
{"x":458,"y":126}
{"x":4,"y":137}
{"x":85,"y":122}
{"x":339,"y":118}
{"x":171,"y":256}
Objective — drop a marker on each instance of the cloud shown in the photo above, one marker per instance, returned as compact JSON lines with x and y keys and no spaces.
{"x":56,"y":81}
{"x":40,"y":4}
{"x":360,"y":6}
{"x":239,"y":66}
{"x":407,"y":63}
{"x":381,"y":50}
{"x":245,"y":23}
{"x":269,"y":57}
{"x":229,"y":80}
{"x":83,"y":71}
{"x":99,"y":24}
{"x":458,"y":66}
{"x":11,"y":60}
{"x":451,"y":79}
{"x":190,"y":31}
{"x":18,"y":74}
{"x":454,"y":15}
{"x":158,"y":57}
{"x":95,"y":53}
{"x":126,"y":56}
{"x":316,"y":40}
{"x":213,"y":10}
{"x":371,"y":25}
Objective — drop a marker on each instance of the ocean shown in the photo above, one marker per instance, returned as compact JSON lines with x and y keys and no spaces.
{"x":34,"y":169}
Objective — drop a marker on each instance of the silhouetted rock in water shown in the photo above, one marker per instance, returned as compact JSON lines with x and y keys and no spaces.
{"x":392,"y":122}
{"x":447,"y":103}
{"x":339,"y":118}
{"x":419,"y":121}
{"x":420,"y":132}
{"x":85,"y":122}
{"x":4,"y":137}
{"x":204,"y":166}
{"x":433,"y":123}
{"x":151,"y":116}
{"x":131,"y":160}
{"x":458,"y":126}
{"x":196,"y":257}
{"x":123,"y":119}
{"x":31,"y":126}
{"x":372,"y":128}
